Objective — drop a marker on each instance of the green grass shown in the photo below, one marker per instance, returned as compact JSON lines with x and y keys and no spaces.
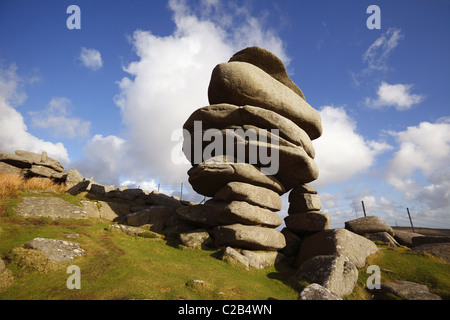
{"x":118,"y":266}
{"x":404,"y":264}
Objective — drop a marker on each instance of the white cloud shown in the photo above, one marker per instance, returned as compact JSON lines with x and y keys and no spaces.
{"x":170,"y":78}
{"x":341,"y":151}
{"x":14,"y":134}
{"x":105,"y":159}
{"x":421,"y":166}
{"x":376,"y":55}
{"x":394,"y":95}
{"x":91,"y":58}
{"x":57,"y":117}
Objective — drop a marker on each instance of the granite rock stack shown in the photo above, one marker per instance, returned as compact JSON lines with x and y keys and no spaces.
{"x":249,"y":147}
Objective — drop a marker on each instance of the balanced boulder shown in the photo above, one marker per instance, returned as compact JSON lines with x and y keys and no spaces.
{"x":242,"y":83}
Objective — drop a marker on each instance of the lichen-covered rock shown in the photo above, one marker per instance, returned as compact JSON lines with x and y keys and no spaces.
{"x":337,"y":242}
{"x":370,"y":224}
{"x":208,"y":178}
{"x":259,"y":196}
{"x":406,"y":290}
{"x":249,"y":237}
{"x":50,"y":207}
{"x":336,"y":273}
{"x":242,"y":83}
{"x":317,"y":292}
{"x":307,"y":223}
{"x":56,"y":250}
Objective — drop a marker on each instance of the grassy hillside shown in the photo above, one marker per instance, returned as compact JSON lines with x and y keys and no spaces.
{"x":118,"y":266}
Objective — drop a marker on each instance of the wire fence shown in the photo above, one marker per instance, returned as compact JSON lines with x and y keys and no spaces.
{"x":392,"y":214}
{"x":183,"y":190}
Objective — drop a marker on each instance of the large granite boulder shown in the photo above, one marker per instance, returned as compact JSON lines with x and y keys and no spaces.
{"x":337,"y":242}
{"x":208,"y":178}
{"x":336,"y":273}
{"x":259,"y":196}
{"x":242,"y":83}
{"x":249,"y":237}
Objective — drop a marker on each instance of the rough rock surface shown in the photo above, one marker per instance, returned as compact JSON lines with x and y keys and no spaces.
{"x":51,"y":207}
{"x":221,"y":116}
{"x":439,"y":250}
{"x":370,"y":224}
{"x":245,"y":213}
{"x":337,"y":242}
{"x":261,"y":259}
{"x":270,"y":63}
{"x":405,"y":290}
{"x":317,"y":292}
{"x":249,"y":237}
{"x":304,"y":202}
{"x":383,"y":237}
{"x":208,"y":178}
{"x":307,"y":223}
{"x":405,"y":238}
{"x":238,"y":191}
{"x":195,"y":239}
{"x":336,"y":273}
{"x":56,"y":250}
{"x":242,"y":83}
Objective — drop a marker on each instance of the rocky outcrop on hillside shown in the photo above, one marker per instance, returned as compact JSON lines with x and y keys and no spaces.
{"x":256,"y":110}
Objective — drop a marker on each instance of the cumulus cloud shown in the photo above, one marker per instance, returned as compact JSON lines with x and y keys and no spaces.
{"x":57,"y":118}
{"x":394,"y":95}
{"x":14,"y":133}
{"x":104,"y":159}
{"x":170,"y":78}
{"x":91,"y":58}
{"x":341,"y":151}
{"x":420,"y":168}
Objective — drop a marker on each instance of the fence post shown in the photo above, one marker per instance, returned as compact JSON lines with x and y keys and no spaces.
{"x":181,"y":196}
{"x":410,"y":220}
{"x":364,"y":208}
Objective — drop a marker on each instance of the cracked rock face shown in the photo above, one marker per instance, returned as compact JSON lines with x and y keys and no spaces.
{"x":334,"y":272}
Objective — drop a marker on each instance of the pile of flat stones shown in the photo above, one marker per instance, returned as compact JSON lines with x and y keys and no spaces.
{"x":252,"y":94}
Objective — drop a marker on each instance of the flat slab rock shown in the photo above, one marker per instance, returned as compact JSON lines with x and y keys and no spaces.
{"x":439,"y":250}
{"x":370,"y":224}
{"x":249,"y":237}
{"x":405,"y":290}
{"x":56,"y":250}
{"x":50,"y":207}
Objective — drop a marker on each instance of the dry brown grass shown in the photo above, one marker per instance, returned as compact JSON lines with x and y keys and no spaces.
{"x":12,"y":184}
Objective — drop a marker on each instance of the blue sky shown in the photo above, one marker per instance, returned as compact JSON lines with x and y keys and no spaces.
{"x":106,"y":98}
